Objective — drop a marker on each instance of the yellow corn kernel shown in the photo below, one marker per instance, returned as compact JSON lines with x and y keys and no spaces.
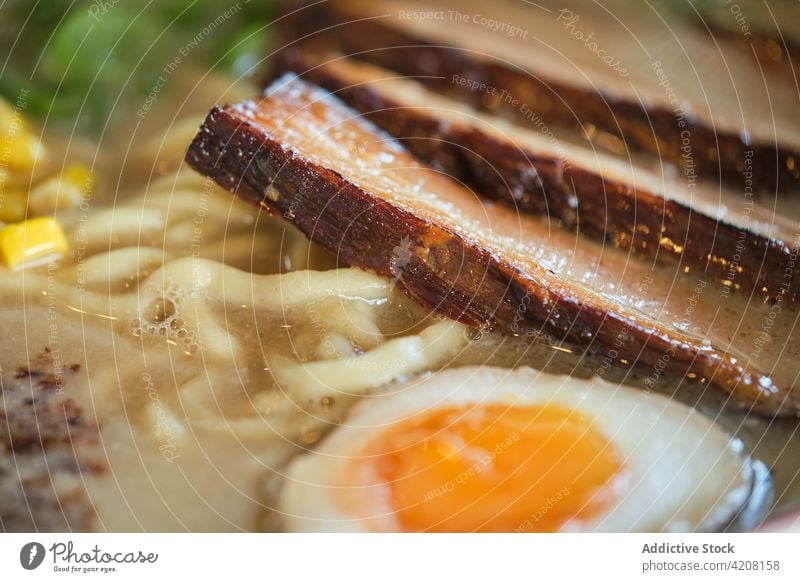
{"x":24,"y":150}
{"x":32,"y":242}
{"x":12,"y":205}
{"x":81,"y":176}
{"x":21,"y":149}
{"x":61,"y":192}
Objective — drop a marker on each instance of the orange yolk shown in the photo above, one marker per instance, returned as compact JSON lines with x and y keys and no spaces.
{"x":495,"y":468}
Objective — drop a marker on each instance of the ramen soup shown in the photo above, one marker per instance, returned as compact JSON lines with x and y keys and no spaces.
{"x":172,"y":350}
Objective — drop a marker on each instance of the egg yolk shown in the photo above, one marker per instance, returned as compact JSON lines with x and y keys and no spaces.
{"x":494,"y":468}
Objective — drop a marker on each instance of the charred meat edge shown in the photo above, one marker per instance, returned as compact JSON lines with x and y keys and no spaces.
{"x":607,"y":210}
{"x":448,"y":272}
{"x":324,"y":26}
{"x":771,"y":48}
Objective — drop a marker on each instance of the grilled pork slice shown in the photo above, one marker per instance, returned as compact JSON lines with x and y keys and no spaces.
{"x":599,"y":195}
{"x":772,"y":36}
{"x":352,"y":188}
{"x":666,"y":88}
{"x":47,"y":449}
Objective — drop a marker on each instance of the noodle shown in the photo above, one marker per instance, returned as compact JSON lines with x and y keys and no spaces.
{"x":395,"y":359}
{"x":120,"y":268}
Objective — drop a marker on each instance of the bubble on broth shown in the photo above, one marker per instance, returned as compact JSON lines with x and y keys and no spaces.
{"x":163,"y":317}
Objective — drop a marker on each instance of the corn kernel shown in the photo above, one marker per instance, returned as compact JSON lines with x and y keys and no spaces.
{"x":21,"y":149}
{"x":81,"y":176}
{"x":62,"y":192}
{"x":32,"y":242}
{"x":13,"y":204}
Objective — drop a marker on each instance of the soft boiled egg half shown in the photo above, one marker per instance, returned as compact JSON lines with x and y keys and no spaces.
{"x":490,"y":449}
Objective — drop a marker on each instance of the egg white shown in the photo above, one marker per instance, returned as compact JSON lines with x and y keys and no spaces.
{"x":681,"y":471}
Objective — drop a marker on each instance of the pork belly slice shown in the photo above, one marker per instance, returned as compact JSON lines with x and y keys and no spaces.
{"x":349,"y":186}
{"x":772,"y":36}
{"x":599,"y":195}
{"x":665,"y":87}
